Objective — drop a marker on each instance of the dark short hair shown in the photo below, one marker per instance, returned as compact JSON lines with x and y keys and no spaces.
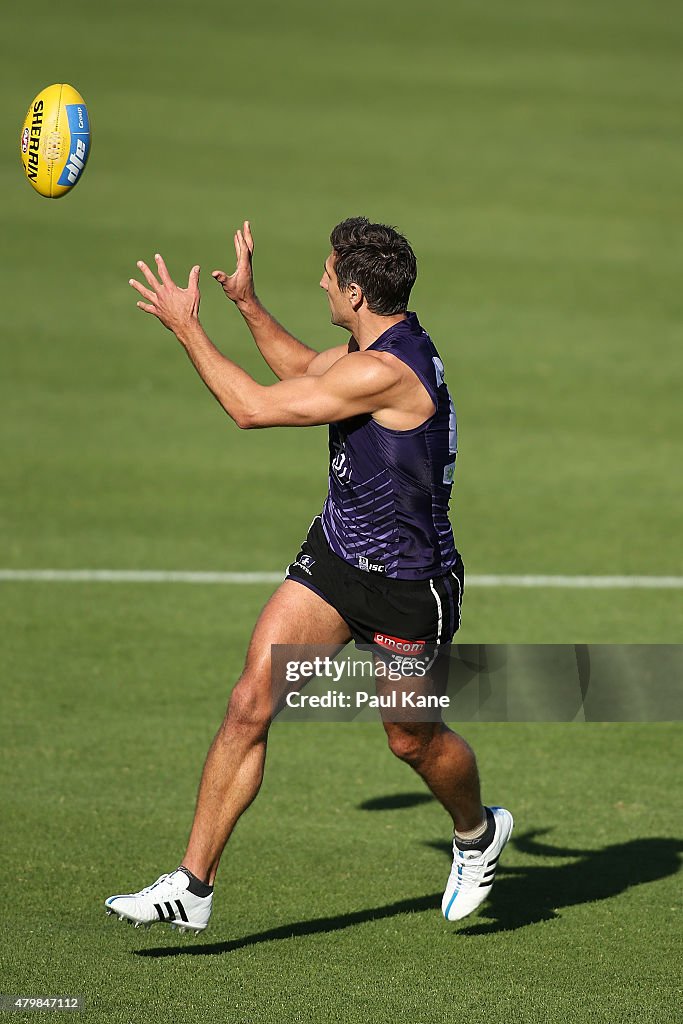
{"x":379,"y":259}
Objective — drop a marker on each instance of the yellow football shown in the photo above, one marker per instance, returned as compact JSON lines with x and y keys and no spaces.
{"x":55,"y":140}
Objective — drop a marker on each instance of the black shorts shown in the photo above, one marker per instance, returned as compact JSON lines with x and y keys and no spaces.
{"x":380,"y":610}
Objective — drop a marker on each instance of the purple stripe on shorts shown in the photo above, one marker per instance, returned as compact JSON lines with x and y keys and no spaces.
{"x":451,"y":604}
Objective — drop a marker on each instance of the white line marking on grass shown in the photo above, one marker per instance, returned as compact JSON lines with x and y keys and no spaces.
{"x":580,"y":582}
{"x":180,"y":576}
{"x":137,"y":576}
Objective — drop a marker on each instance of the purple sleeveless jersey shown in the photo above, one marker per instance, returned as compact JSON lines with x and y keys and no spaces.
{"x":387,"y":506}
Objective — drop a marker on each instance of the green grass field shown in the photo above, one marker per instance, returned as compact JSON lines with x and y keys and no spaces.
{"x":533,"y":155}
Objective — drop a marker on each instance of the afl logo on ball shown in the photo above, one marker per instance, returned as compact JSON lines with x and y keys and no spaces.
{"x":24,"y":140}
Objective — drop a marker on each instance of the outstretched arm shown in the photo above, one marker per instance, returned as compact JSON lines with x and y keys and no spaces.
{"x":355,"y":384}
{"x":286,"y":355}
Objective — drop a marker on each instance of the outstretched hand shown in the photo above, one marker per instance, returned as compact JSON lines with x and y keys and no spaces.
{"x":239,"y":286}
{"x":175,"y":307}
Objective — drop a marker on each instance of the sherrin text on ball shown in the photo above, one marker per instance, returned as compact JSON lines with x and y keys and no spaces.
{"x":55,"y":140}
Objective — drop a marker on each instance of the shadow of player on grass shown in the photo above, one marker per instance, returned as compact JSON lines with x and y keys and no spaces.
{"x":537,"y":892}
{"x":521,"y":896}
{"x":296,"y":929}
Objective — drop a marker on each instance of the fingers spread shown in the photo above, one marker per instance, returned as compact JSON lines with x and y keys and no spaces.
{"x":145,"y":292}
{"x":147,"y":308}
{"x":163,"y":272}
{"x":151,"y":279}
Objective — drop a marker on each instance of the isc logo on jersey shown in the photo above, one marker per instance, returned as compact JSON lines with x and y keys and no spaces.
{"x":55,"y":140}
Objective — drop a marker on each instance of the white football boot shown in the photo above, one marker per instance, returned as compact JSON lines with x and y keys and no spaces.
{"x":474,"y":868}
{"x":167,"y":900}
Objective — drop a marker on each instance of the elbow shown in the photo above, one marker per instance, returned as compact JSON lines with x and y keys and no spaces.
{"x":251,"y":408}
{"x":246,"y":419}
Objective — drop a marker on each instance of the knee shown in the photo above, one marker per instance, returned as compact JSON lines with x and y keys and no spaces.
{"x":249,"y":708}
{"x":409,"y":745}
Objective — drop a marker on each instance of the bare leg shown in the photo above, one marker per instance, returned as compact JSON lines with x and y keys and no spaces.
{"x":445,"y":762}
{"x":441,"y":757}
{"x":234,"y":765}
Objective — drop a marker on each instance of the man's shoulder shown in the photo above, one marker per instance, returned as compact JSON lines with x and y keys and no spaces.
{"x":366,"y":371}
{"x":322,"y":362}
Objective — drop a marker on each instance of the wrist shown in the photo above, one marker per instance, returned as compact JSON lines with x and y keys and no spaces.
{"x":188,"y":331}
{"x":249,"y":305}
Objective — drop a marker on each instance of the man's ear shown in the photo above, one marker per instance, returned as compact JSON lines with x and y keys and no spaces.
{"x":355,"y":293}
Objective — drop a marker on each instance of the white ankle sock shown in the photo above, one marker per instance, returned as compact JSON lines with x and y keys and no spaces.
{"x":474,"y":833}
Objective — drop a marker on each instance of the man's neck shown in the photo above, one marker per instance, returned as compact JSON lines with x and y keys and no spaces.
{"x":371,"y":326}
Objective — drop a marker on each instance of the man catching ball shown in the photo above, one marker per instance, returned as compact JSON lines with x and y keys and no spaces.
{"x":378,"y":564}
